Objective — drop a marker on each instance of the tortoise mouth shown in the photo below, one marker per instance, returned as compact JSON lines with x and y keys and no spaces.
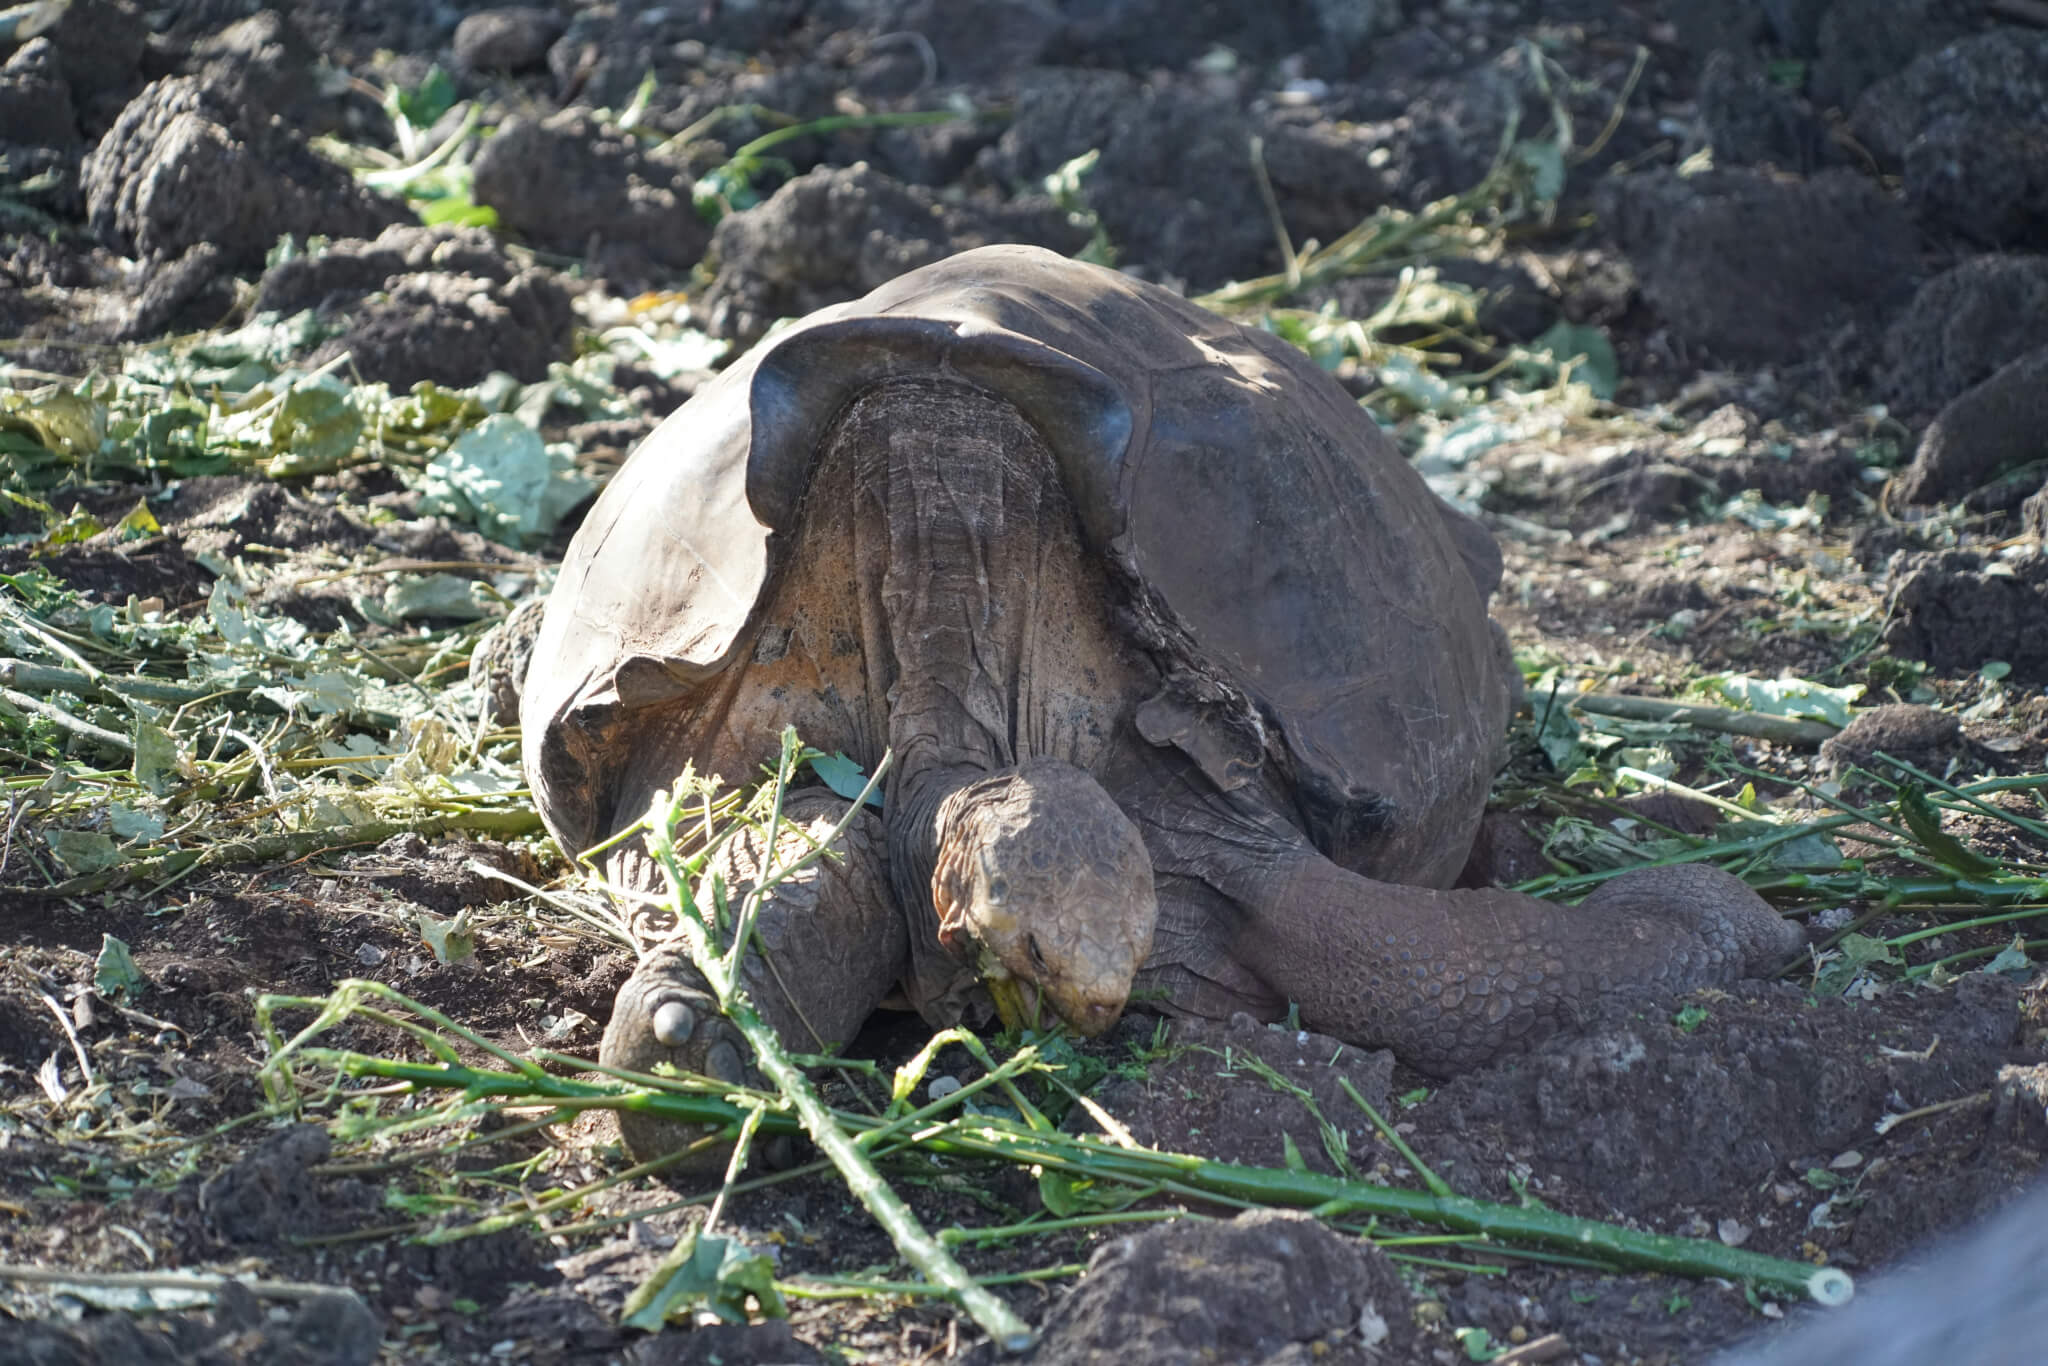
{"x":1024,"y":1005}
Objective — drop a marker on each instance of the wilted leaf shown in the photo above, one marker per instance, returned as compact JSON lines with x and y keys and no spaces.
{"x":156,"y":757}
{"x":2013,"y":959}
{"x":452,"y":940}
{"x":130,"y":823}
{"x":315,"y":428}
{"x":1795,"y":697}
{"x":71,"y":423}
{"x":139,"y":522}
{"x":114,"y":974}
{"x":1597,"y":367}
{"x":1420,"y":387}
{"x":323,"y":694}
{"x":83,"y":851}
{"x":713,"y":1274}
{"x":1925,"y":823}
{"x":409,"y":597}
{"x":1544,"y":161}
{"x":1857,"y":952}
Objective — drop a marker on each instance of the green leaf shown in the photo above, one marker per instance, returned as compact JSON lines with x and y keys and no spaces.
{"x":452,"y":940}
{"x":1795,"y":697}
{"x":156,"y":757}
{"x":1558,"y":731}
{"x":131,"y":823}
{"x":139,"y":523}
{"x":1290,"y":1153}
{"x":1597,"y":366}
{"x":1544,"y":161}
{"x":1056,"y":1192}
{"x":1925,"y":823}
{"x":457,"y":211}
{"x":83,"y":851}
{"x":80,"y":525}
{"x":1813,"y":851}
{"x":114,"y":974}
{"x":714,"y":1274}
{"x":502,"y":478}
{"x":843,"y":776}
{"x":2012,"y":959}
{"x":1857,"y":951}
{"x":426,"y":102}
{"x":1690,"y":1018}
{"x":315,"y":428}
{"x":1478,"y":1344}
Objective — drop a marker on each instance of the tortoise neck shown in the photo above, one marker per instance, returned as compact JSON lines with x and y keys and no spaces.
{"x":913,"y":821}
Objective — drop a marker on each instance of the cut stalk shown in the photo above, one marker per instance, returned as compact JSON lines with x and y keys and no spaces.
{"x":1180,"y":1174}
{"x":721,"y":973}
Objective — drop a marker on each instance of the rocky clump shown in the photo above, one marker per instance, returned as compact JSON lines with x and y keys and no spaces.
{"x":1962,"y":326}
{"x":1967,"y":125}
{"x":836,"y":233}
{"x":1959,"y":610}
{"x":575,"y":186}
{"x":439,"y":304}
{"x":1998,"y":425}
{"x":182,"y":167}
{"x":1263,"y":1287}
{"x":1836,"y":251}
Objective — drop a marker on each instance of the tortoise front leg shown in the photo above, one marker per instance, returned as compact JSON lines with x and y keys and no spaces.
{"x":830,"y":945}
{"x":1451,"y":979}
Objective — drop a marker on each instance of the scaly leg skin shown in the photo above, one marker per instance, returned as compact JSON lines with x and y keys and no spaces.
{"x":1451,"y":980}
{"x":829,"y":945}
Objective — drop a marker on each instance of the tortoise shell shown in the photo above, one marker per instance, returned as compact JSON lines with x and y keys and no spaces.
{"x":1313,"y":605}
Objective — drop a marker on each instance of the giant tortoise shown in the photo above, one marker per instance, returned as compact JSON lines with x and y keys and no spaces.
{"x":1188,"y":676}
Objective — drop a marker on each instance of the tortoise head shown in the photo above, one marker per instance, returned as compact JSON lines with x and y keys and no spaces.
{"x":1042,"y":872}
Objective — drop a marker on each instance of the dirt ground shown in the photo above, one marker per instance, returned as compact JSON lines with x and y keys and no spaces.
{"x":1813,"y":234}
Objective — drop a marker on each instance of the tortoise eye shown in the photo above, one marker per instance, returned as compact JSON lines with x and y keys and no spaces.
{"x":1037,"y":955}
{"x":998,"y":889}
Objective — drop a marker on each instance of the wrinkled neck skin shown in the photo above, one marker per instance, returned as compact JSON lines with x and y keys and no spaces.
{"x":915,"y":830}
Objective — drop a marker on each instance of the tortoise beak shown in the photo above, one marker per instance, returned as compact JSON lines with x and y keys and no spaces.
{"x":1091,"y":1018}
{"x":1021,"y":1005}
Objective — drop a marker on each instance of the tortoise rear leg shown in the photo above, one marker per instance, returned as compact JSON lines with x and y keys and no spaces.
{"x":829,"y":945}
{"x":1452,"y":979}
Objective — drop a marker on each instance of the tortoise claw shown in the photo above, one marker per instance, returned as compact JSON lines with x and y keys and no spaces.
{"x":673,"y":1022}
{"x":665,"y":1015}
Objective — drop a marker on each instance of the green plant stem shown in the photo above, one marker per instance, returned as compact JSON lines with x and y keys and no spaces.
{"x":289,"y":848}
{"x":64,"y":720}
{"x":1970,"y":955}
{"x":1952,"y":926}
{"x":1721,"y":720}
{"x":836,"y":123}
{"x":1193,"y":1177}
{"x":721,"y":973}
{"x":851,"y":1288}
{"x":1969,"y":796}
{"x":953,"y":1237}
